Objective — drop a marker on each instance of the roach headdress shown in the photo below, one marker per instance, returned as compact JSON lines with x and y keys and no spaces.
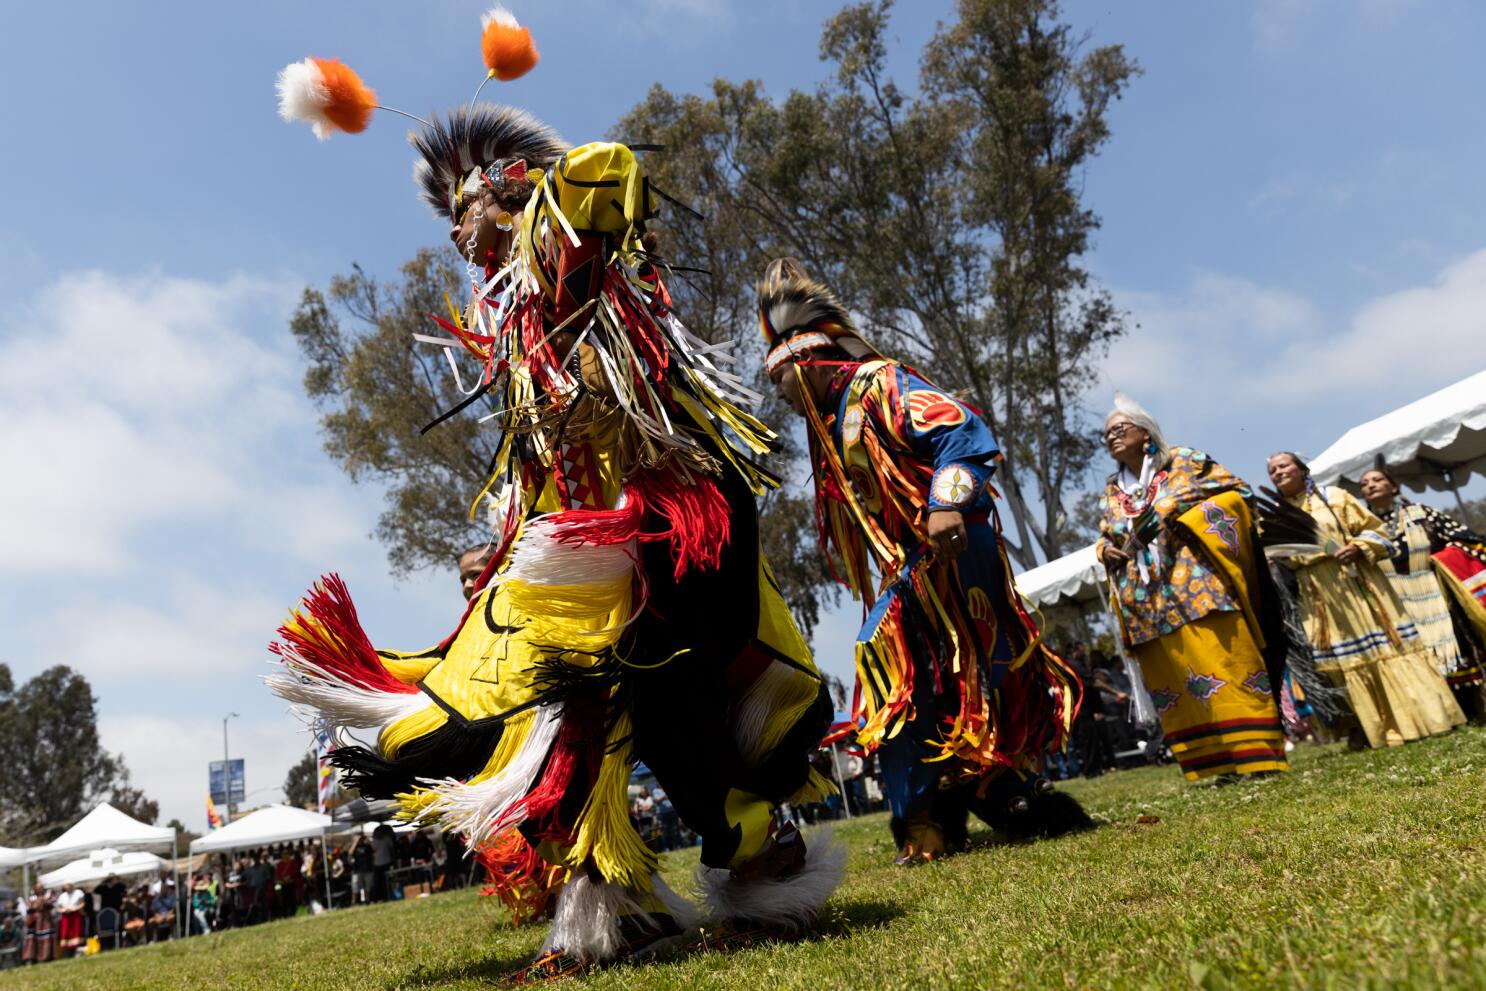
{"x":469,"y":140}
{"x":798,"y":315}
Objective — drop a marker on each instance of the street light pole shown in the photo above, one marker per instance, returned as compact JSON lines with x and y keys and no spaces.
{"x":227,"y":766}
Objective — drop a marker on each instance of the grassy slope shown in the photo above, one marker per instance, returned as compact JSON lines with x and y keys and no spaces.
{"x":1354,"y":871}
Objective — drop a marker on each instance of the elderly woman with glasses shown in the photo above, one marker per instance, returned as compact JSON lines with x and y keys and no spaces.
{"x":1178,"y":542}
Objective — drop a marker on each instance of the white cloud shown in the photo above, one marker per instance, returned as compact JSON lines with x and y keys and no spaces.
{"x":1226,"y":355}
{"x":168,"y":501}
{"x":1282,"y":24}
{"x":168,"y":757}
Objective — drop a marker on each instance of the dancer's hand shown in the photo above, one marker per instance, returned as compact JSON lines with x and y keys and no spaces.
{"x":1114,"y":558}
{"x":1348,"y":553}
{"x":946,"y":533}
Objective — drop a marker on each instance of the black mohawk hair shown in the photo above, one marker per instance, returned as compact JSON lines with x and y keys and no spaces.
{"x":477,"y":136}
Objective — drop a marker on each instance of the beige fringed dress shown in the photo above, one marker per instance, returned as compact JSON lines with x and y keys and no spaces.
{"x":1360,"y":633}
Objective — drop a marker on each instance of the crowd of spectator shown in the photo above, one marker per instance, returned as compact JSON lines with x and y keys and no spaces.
{"x":247,"y":888}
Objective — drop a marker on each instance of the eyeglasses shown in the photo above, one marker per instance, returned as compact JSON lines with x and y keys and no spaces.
{"x":1117,"y":431}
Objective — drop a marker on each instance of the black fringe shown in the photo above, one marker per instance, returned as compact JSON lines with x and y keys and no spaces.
{"x":457,"y":749}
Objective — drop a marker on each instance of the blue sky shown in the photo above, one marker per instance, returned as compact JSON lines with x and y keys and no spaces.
{"x":1292,"y":210}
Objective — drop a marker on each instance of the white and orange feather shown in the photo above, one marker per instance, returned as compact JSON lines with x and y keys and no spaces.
{"x":506,"y":46}
{"x":327,"y":94}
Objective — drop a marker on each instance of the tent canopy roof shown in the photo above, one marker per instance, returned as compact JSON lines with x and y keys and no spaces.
{"x":99,"y":864}
{"x":272,"y":824}
{"x":1444,"y":431}
{"x":1072,"y":579}
{"x":12,"y":857}
{"x":104,"y":827}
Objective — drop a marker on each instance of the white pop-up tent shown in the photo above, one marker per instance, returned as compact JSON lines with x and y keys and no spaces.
{"x":267,"y":826}
{"x":12,"y":856}
{"x":1077,"y":581}
{"x":264,"y":827}
{"x":107,"y":828}
{"x":99,"y":864}
{"x":1437,"y":442}
{"x":1074,"y":579}
{"x":103,"y":828}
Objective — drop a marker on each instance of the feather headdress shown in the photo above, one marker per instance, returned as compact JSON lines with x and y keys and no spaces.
{"x":798,"y":314}
{"x":468,"y":139}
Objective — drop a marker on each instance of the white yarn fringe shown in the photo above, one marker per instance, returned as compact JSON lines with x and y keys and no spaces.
{"x":484,"y":810}
{"x":332,"y":704}
{"x":790,"y":904}
{"x":538,"y":557}
{"x":586,"y":924}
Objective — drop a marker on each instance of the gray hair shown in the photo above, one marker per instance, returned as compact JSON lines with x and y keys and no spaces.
{"x":1136,"y":414}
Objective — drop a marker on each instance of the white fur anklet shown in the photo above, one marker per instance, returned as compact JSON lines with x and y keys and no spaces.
{"x":789,"y":904}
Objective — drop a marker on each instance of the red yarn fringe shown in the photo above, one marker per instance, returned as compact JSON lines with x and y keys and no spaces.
{"x":328,"y":634}
{"x":699,"y":517}
{"x":517,"y":875}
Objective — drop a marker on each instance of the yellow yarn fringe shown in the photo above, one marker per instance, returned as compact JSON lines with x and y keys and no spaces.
{"x":604,"y":834}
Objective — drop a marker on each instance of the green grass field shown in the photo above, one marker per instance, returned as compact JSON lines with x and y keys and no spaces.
{"x":1356,"y":870}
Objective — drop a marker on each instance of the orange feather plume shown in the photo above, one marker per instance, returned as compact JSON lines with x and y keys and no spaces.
{"x":326,"y":94}
{"x":351,"y":100}
{"x":507,"y":46}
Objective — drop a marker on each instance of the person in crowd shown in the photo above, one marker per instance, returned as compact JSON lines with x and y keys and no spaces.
{"x":136,"y":916}
{"x":1086,"y":752}
{"x":956,"y":693}
{"x":69,"y":908}
{"x":162,"y":913}
{"x":669,"y":821}
{"x":41,"y":927}
{"x":384,"y":859}
{"x":231,"y":909}
{"x":363,"y":871}
{"x":12,"y":931}
{"x":202,"y":905}
{"x":1110,"y":700}
{"x":1361,"y":637}
{"x":1436,"y":562}
{"x":456,"y":866}
{"x":1177,"y":537}
{"x":111,"y":892}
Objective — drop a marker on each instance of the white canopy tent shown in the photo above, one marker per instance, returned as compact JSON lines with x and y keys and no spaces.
{"x":1437,"y":442}
{"x":1074,"y":579}
{"x":266,"y":826}
{"x":99,"y":864}
{"x":12,"y":857}
{"x":269,"y":825}
{"x":107,"y":828}
{"x":103,"y":828}
{"x":1077,"y":582}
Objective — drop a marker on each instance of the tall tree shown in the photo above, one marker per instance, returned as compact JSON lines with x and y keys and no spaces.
{"x":379,"y":388}
{"x":1040,"y":102}
{"x":301,"y":784}
{"x":951,"y":223}
{"x":53,"y":768}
